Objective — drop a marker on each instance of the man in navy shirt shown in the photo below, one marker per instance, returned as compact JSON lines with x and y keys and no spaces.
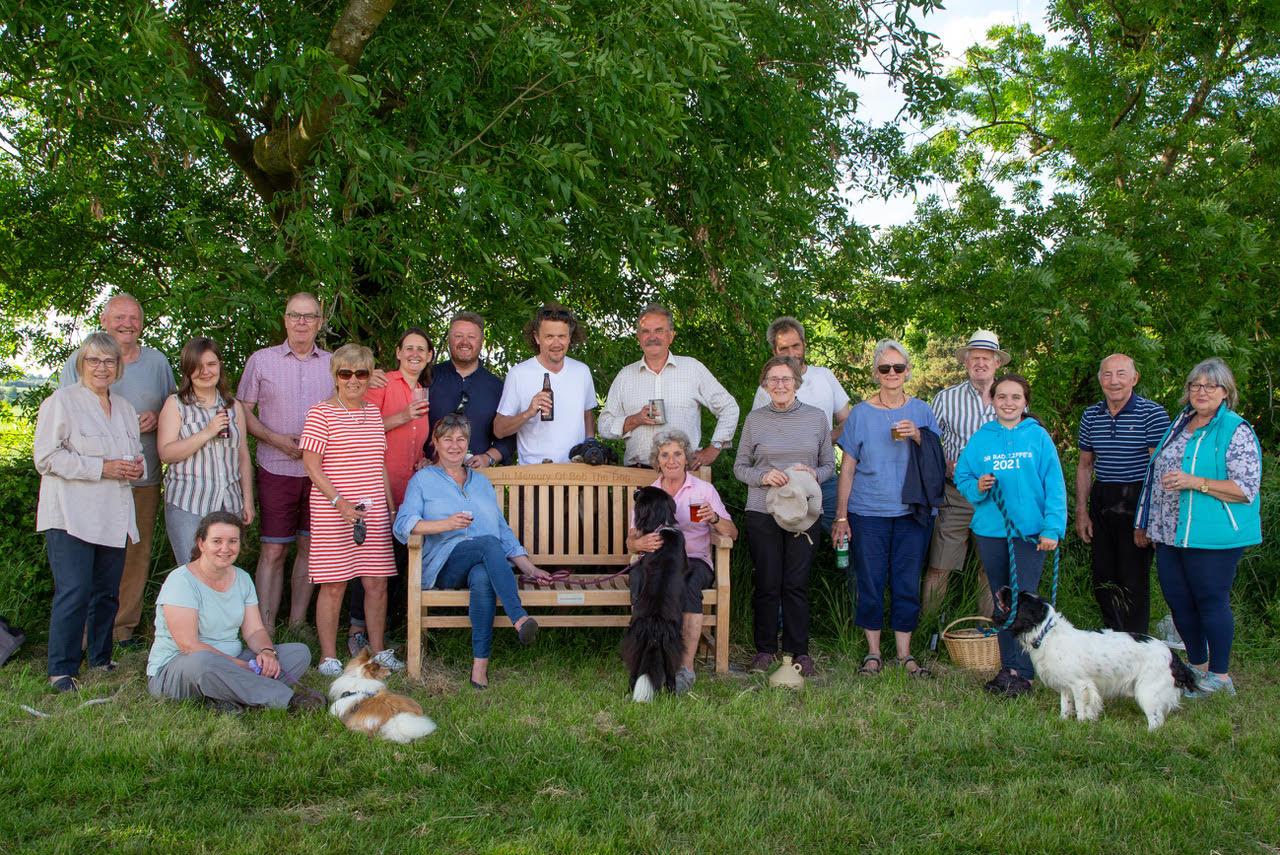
{"x":462,"y":385}
{"x":1117,"y":437}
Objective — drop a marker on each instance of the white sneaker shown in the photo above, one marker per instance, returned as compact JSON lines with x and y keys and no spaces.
{"x":330,"y":667}
{"x":387,"y":659}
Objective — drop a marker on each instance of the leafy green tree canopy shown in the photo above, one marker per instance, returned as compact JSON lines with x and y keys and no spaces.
{"x":1113,"y":190}
{"x":408,"y":159}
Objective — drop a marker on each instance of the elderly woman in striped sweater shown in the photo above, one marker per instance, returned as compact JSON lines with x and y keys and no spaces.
{"x":783,"y":434}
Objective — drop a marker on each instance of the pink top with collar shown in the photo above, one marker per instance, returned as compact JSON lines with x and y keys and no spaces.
{"x":697,"y":535}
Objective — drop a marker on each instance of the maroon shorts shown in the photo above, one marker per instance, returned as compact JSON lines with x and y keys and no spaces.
{"x":284,"y":507}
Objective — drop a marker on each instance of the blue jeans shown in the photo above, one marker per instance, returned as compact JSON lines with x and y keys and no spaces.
{"x":829,"y":502}
{"x":887,"y":550}
{"x":995,"y":560}
{"x":86,"y":590}
{"x":1196,"y":584}
{"x":480,"y":565}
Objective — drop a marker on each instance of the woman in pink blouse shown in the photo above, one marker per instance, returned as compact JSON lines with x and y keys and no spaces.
{"x":403,"y":405}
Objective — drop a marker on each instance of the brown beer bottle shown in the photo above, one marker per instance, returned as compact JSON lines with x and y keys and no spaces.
{"x":550,"y":414}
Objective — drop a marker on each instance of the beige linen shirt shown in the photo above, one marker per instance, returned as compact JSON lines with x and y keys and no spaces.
{"x":684,"y":384}
{"x":72,"y":440}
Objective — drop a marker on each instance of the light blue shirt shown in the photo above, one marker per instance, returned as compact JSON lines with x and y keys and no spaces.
{"x":433,"y":495}
{"x":882,"y":460}
{"x":220,"y":614}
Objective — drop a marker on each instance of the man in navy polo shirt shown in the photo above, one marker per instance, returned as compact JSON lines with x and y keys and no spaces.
{"x":462,"y":385}
{"x":1117,"y":436}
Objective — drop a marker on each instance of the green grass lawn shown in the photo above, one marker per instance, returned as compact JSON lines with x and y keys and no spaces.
{"x":555,"y":758}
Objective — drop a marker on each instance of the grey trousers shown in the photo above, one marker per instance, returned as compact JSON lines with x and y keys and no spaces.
{"x":205,"y":674}
{"x":181,"y":526}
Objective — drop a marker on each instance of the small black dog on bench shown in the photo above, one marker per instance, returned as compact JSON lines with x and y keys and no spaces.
{"x":653,"y":645}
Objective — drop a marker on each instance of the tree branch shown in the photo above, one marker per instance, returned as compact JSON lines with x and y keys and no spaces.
{"x":239,"y":143}
{"x":280,"y":152}
{"x":501,"y":113}
{"x":1196,"y":105}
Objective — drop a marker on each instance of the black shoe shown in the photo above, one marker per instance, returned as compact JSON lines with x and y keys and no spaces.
{"x":528,"y":632}
{"x":218,"y":706}
{"x":65,"y":684}
{"x":304,"y":702}
{"x":132,"y":643}
{"x":1017,"y":687}
{"x":999,"y":684}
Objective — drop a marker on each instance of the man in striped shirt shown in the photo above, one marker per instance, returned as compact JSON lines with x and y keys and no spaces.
{"x":1117,"y":436}
{"x":961,"y":409}
{"x":681,"y":383}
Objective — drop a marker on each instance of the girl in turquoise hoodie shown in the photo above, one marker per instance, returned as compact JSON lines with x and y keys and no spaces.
{"x":1015,"y":452}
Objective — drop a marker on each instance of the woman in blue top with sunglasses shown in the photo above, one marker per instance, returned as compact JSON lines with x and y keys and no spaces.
{"x":888,"y":543}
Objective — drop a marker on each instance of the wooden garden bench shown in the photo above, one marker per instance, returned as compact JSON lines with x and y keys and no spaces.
{"x":571,"y":516}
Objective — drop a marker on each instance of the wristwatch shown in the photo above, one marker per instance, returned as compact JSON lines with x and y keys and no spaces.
{"x":1204,"y":485}
{"x":721,"y":444}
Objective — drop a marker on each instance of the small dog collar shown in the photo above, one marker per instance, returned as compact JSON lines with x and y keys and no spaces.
{"x":1039,"y":639}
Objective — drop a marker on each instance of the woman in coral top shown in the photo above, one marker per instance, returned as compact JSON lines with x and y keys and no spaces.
{"x":403,"y":404}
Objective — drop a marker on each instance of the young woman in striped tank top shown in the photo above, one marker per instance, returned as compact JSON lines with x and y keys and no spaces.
{"x":201,"y":436}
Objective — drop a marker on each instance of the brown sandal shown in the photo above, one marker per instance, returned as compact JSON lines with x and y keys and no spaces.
{"x":919,"y":672}
{"x":871,"y":672}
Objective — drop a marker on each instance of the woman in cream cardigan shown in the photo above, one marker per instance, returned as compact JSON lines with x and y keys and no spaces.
{"x":87,"y":449}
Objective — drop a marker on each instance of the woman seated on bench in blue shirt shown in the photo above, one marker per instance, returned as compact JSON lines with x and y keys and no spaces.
{"x":466,"y":541}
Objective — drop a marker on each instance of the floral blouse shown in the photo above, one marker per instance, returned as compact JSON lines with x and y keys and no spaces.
{"x":1244,"y":467}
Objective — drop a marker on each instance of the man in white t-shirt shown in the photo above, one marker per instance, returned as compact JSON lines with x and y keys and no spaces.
{"x":818,"y":388}
{"x":571,"y":403}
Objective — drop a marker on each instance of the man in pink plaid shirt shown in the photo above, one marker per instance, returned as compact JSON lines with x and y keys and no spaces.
{"x":282,"y":383}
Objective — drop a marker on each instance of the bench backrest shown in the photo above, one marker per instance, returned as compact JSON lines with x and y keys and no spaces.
{"x":569,"y":513}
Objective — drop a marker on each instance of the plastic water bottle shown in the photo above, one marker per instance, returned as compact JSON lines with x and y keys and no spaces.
{"x":254,"y":666}
{"x":842,"y":554}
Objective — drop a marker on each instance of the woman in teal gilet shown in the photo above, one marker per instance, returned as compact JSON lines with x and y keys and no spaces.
{"x":1199,"y":506}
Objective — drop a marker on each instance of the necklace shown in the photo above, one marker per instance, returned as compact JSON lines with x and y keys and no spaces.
{"x":351,"y":415}
{"x":883,"y":404}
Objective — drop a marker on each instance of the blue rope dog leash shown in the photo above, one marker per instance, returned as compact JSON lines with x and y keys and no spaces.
{"x":1011,"y":534}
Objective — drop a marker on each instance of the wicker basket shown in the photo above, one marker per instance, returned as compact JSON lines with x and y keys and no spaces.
{"x":970,"y":648}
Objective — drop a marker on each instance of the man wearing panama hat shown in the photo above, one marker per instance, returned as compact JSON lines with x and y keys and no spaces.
{"x":961,"y":409}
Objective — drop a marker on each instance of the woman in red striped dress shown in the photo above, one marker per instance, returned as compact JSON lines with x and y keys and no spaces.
{"x":344,"y":448}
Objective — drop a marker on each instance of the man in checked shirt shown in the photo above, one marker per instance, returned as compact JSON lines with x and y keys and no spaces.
{"x":961,"y":409}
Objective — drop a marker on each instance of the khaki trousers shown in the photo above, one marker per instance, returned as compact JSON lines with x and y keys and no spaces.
{"x":137,"y":562}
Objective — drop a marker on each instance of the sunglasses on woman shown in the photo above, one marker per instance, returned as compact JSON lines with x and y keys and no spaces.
{"x":348,"y":373}
{"x":895,"y":367}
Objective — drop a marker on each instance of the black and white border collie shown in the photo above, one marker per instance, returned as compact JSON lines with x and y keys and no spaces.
{"x":653,"y":644}
{"x":1087,"y":667}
